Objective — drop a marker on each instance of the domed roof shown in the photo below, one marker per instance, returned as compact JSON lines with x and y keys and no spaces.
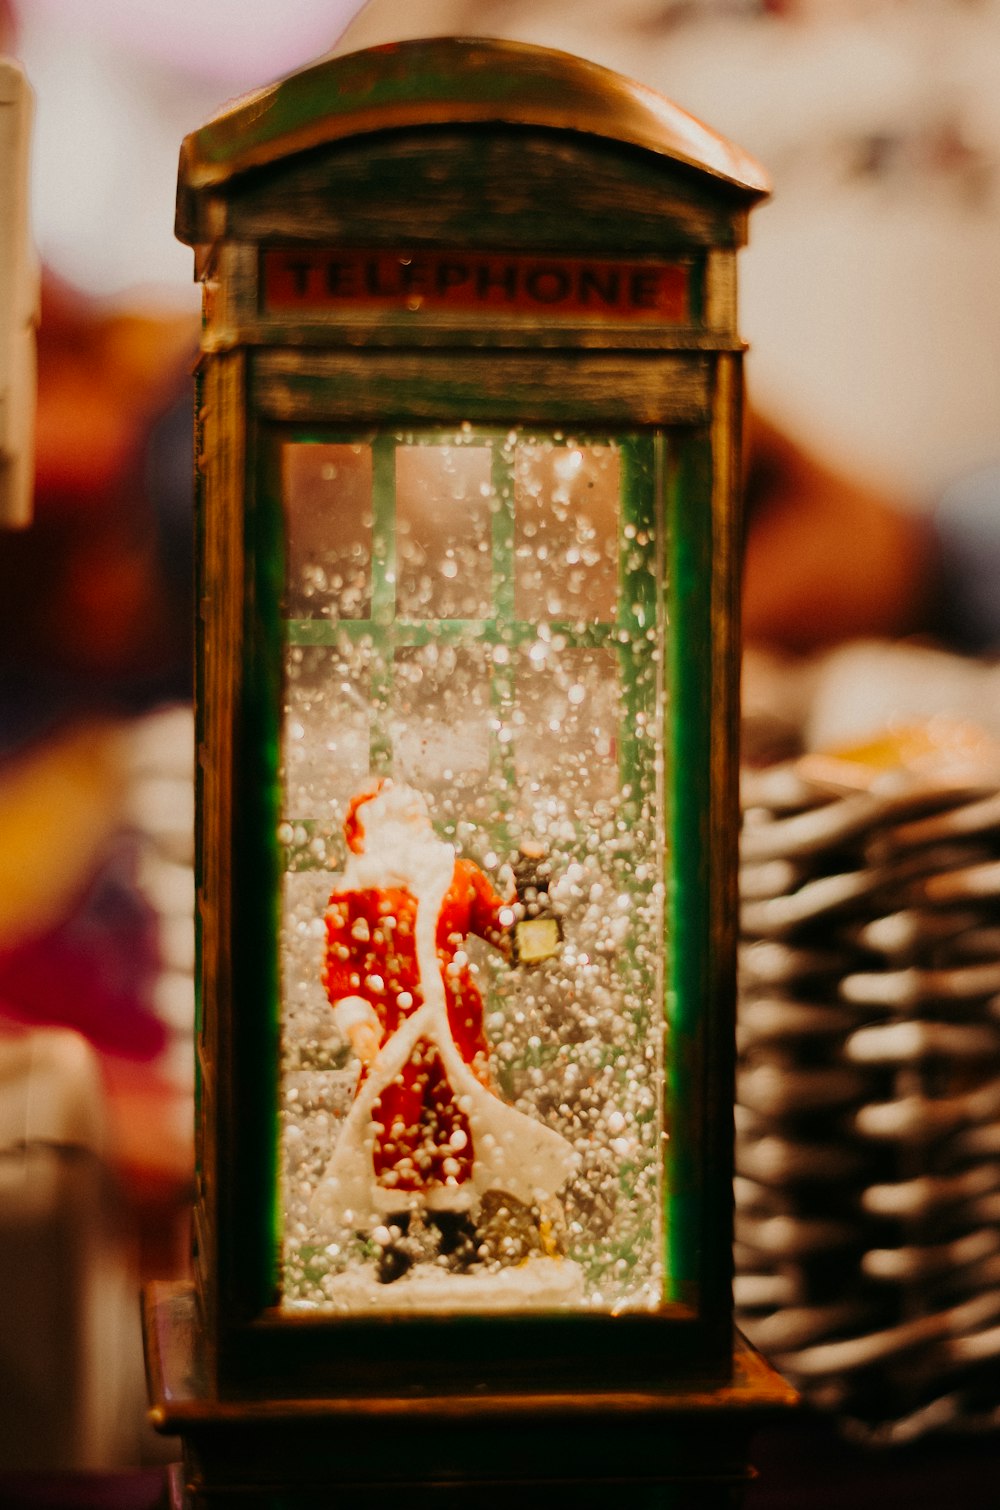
{"x":449,"y":81}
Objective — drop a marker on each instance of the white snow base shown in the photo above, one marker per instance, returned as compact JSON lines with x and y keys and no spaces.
{"x":537,"y":1284}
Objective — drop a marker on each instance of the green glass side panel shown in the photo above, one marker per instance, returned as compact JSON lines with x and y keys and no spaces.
{"x":200,"y":709}
{"x":688,"y":489}
{"x":257,"y":805}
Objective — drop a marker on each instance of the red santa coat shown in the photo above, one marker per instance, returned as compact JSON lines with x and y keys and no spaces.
{"x":425,"y":1126}
{"x":422,"y":1137}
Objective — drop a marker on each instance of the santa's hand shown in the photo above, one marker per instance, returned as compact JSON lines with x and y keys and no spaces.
{"x":365,"y":1040}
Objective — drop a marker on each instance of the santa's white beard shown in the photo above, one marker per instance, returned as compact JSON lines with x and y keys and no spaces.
{"x":399,"y":854}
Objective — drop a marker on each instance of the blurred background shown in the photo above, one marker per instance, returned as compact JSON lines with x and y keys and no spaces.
{"x":870,"y":303}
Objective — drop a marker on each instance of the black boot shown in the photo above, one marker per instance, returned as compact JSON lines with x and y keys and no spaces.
{"x":458,"y":1241}
{"x":395,"y":1257}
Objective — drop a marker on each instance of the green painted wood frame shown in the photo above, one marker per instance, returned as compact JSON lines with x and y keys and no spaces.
{"x":255,"y":1347}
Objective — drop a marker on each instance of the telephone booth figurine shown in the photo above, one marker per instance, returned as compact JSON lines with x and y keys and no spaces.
{"x":468,"y":416}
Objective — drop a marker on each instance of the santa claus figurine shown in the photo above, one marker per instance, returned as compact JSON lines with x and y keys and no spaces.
{"x":427,"y":1133}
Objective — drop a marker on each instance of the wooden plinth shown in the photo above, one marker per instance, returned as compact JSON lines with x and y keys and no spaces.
{"x":682,"y":1447}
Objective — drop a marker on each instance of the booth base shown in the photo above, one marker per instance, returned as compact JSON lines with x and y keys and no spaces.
{"x":683,"y":1447}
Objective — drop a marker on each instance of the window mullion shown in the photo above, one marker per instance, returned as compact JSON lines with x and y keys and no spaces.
{"x":383,"y":626}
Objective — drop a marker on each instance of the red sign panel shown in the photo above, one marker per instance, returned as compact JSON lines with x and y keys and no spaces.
{"x":305,"y":280}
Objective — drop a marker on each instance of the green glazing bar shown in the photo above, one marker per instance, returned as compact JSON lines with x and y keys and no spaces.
{"x":383,"y":598}
{"x":405,"y":632}
{"x":502,"y":506}
{"x":412,"y":632}
{"x":504,"y":631}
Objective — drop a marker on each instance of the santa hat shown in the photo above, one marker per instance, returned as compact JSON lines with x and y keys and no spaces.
{"x":354,"y":823}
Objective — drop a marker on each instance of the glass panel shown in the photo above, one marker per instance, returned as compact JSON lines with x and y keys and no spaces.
{"x":318,"y":1076}
{"x":443,"y":528}
{"x":582,"y":1042}
{"x":326,"y":728}
{"x":472,"y":1015}
{"x":566,"y":723}
{"x":328,"y":511}
{"x":440,"y":727}
{"x":566,"y":531}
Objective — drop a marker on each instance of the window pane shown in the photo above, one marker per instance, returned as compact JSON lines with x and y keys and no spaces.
{"x":592,"y":1019}
{"x":326,"y":727}
{"x":440,"y":727}
{"x":317,"y":1079}
{"x":534,"y":747}
{"x":566,"y":531}
{"x":566,"y":723}
{"x":443,"y":532}
{"x":327,"y":491}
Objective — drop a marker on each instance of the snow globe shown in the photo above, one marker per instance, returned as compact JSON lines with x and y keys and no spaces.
{"x":468,"y":471}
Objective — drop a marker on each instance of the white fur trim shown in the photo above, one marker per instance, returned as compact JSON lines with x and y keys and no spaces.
{"x":414,"y":862}
{"x":386,"y":1202}
{"x":450,"y":1197}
